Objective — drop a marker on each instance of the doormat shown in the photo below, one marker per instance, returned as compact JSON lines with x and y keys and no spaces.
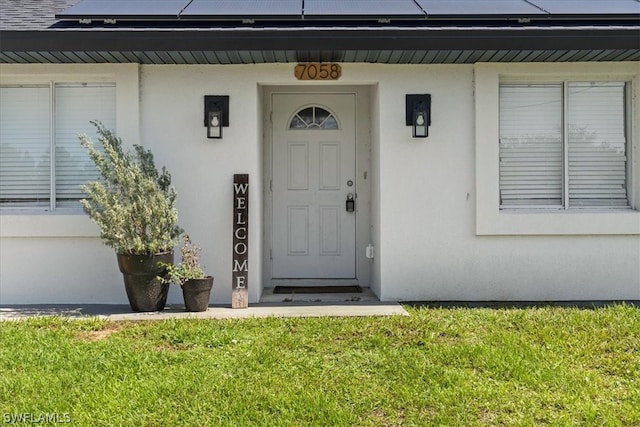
{"x":317,"y":289}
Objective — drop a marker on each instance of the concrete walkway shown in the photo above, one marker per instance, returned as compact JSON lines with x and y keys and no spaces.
{"x":271,"y":305}
{"x":123,"y":312}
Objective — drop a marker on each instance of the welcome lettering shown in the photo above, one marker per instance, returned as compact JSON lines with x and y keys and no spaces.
{"x":240,"y":270}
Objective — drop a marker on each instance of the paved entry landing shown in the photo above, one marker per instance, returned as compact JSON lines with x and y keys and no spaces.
{"x":364,"y":296}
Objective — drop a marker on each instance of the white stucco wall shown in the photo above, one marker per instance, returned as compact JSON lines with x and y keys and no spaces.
{"x":427,"y":209}
{"x":434,"y":246}
{"x":202,"y":169}
{"x":48,"y":257}
{"x":434,"y":242}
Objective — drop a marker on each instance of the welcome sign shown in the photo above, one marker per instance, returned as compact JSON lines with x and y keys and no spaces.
{"x":240,"y":271}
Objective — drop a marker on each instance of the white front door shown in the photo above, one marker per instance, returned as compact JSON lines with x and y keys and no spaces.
{"x":313,"y":234}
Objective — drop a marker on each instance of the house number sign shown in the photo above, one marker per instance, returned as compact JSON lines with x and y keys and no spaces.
{"x":318,"y":71}
{"x":240,"y":271}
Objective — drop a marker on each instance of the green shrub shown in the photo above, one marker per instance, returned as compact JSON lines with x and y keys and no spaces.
{"x":133,"y":204}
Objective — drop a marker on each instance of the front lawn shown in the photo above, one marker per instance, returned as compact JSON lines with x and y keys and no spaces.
{"x":559,"y":366}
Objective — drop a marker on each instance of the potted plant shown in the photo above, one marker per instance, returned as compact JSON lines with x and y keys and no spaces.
{"x":196,"y":285}
{"x":134,"y":206}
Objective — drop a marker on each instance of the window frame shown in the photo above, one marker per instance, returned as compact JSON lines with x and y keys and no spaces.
{"x":54,"y":143}
{"x":314,"y":126}
{"x":489,"y":218}
{"x":564,"y":94}
{"x":64,"y":223}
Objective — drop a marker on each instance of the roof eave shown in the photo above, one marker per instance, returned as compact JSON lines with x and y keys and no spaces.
{"x":543,"y":38}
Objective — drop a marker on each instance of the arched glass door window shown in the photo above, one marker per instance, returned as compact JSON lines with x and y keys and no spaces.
{"x":314,"y":117}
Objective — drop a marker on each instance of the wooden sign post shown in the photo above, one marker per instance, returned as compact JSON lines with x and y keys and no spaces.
{"x":240,"y":271}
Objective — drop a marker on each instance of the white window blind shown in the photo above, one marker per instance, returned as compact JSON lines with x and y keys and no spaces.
{"x":531,"y":145}
{"x":25,"y":124}
{"x":597,"y":144}
{"x":41,"y":161}
{"x":563,"y":145}
{"x":76,"y":105}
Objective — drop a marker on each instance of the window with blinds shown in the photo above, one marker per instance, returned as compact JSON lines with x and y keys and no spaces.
{"x":25,"y":167}
{"x":42,"y":164}
{"x":597,"y":144}
{"x":76,"y":105}
{"x":531,"y":145}
{"x":563,"y":145}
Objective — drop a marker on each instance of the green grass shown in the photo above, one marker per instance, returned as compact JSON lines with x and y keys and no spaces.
{"x":556,"y":366}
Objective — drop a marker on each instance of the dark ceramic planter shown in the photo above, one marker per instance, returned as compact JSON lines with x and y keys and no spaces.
{"x":196,"y":293}
{"x":140,"y":272}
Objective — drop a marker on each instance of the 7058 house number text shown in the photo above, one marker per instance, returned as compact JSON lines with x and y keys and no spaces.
{"x":318,"y":71}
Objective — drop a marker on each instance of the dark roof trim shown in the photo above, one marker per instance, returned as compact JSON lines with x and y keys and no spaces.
{"x":543,"y":38}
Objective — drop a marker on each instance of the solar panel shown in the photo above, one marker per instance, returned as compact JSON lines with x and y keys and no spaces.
{"x":362,"y":9}
{"x":345,"y":9}
{"x":483,"y":8}
{"x":124,"y":9}
{"x":595,"y":7}
{"x":249,"y":9}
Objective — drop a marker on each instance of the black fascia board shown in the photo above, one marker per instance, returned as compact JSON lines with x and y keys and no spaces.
{"x":322,"y":39}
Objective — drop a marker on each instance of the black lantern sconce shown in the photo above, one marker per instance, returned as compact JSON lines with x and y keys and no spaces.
{"x":216,"y":114}
{"x":418,"y":114}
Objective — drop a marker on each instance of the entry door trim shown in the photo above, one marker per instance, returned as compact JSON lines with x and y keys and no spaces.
{"x":314,"y":236}
{"x":363,"y":96}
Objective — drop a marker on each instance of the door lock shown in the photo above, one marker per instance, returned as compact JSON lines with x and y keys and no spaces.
{"x":350,"y":203}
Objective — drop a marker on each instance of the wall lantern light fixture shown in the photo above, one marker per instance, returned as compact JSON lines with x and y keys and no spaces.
{"x":418,"y":114}
{"x":216,"y":114}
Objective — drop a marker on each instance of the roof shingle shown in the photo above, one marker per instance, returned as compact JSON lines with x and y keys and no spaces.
{"x":31,"y":14}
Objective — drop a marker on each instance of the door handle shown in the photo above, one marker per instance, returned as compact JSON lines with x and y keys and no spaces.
{"x":350,"y":203}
